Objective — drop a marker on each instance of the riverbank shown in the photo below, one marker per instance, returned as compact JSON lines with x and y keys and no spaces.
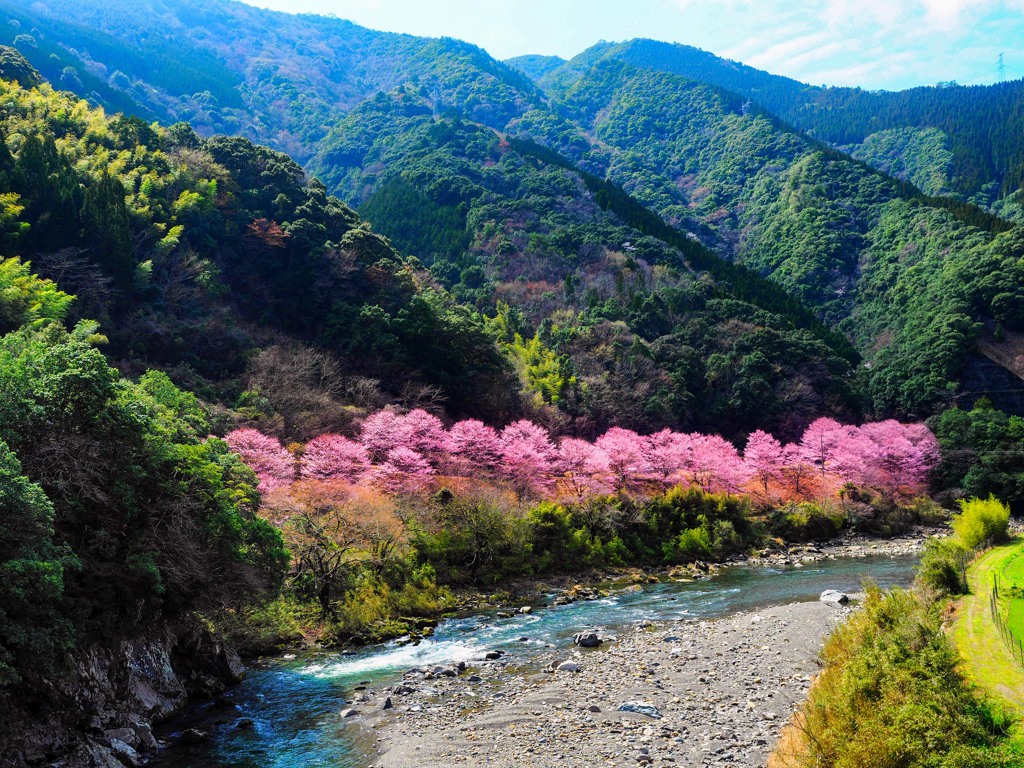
{"x":721,"y":691}
{"x":595,"y":584}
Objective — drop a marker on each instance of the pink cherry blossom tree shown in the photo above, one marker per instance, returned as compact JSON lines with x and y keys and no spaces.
{"x":666,"y":455}
{"x":627,"y":462}
{"x":797,"y":469}
{"x":265,"y":456}
{"x":333,"y":457}
{"x":527,"y":458}
{"x":764,"y":458}
{"x":422,"y":432}
{"x":583,"y":467}
{"x":897,"y":458}
{"x":473,"y":445}
{"x":822,"y":443}
{"x":378,"y":432}
{"x":714,"y":465}
{"x":404,"y":471}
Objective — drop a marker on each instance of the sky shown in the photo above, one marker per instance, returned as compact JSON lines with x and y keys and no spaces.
{"x":874,"y":44}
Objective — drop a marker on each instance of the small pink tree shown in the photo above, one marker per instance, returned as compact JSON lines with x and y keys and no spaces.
{"x":378,"y":433}
{"x":583,"y":466}
{"x":527,"y":458}
{"x":404,"y":471}
{"x":666,"y":454}
{"x":333,"y":457}
{"x":422,"y":432}
{"x":714,"y":464}
{"x":474,"y":445}
{"x":627,"y":462}
{"x":265,"y":456}
{"x":797,"y":469}
{"x":764,"y":457}
{"x":822,"y":443}
{"x":897,"y":458}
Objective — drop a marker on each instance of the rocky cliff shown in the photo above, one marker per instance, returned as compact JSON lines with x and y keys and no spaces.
{"x":101,"y":713}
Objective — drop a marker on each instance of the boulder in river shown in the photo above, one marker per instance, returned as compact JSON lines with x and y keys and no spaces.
{"x":350,"y":712}
{"x":586,"y":639}
{"x":834,"y":596}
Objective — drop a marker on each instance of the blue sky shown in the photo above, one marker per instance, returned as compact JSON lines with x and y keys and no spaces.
{"x":871,"y":43}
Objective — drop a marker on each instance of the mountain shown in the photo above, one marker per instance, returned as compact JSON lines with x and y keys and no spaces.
{"x":648,"y":327}
{"x":227,"y":67}
{"x":912,"y":280}
{"x":719,"y":155}
{"x":946,"y":139}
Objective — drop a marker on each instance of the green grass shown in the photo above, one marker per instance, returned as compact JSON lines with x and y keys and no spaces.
{"x":987,"y":661}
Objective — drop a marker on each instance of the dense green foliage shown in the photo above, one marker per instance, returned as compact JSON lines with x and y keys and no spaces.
{"x":477,"y":541}
{"x":117,"y":510}
{"x":849,"y":241}
{"x":982,"y":453}
{"x":980,"y":521}
{"x":176,"y":243}
{"x":719,"y":167}
{"x":892,"y":695}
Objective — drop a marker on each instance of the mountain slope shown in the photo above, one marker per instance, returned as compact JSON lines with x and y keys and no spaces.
{"x":819,"y":223}
{"x":970,"y":132}
{"x":276,"y":78}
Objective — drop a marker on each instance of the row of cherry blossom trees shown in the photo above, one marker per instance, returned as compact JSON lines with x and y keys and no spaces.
{"x":405,"y":452}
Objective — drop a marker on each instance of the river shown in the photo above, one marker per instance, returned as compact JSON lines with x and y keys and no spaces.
{"x":294,"y":703}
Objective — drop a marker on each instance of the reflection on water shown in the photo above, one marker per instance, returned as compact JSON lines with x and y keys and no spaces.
{"x":294,"y":705}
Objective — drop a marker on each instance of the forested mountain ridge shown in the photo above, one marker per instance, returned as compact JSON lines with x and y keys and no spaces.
{"x":757,"y":191}
{"x":947,"y":139}
{"x":607,"y":320}
{"x":226,"y":67}
{"x":833,"y":231}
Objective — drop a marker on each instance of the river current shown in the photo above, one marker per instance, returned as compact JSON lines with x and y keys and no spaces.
{"x":294,"y":703}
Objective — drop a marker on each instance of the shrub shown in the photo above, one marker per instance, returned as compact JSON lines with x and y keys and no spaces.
{"x":891,"y":695}
{"x":806,"y":522}
{"x":942,"y":566}
{"x":981,"y":520}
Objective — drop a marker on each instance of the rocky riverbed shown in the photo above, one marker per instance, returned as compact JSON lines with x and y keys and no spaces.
{"x":690,"y":693}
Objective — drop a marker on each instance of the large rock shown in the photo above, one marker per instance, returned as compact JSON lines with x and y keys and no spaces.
{"x":587,"y":639}
{"x":834,"y":596}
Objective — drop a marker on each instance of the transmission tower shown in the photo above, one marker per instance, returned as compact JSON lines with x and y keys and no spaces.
{"x":1001,"y":68}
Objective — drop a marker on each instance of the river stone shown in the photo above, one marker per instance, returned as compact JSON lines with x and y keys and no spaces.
{"x":124,"y":752}
{"x":388,"y":704}
{"x":194,"y":736}
{"x":834,"y":596}
{"x":568,"y":666}
{"x":494,"y":655}
{"x":586,"y":639}
{"x":640,"y":708}
{"x":350,"y":712}
{"x":525,"y":610}
{"x":127,"y":735}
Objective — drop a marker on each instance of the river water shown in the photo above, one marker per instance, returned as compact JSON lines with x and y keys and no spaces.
{"x":294,"y":703}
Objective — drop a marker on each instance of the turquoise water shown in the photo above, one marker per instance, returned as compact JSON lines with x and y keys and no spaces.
{"x":294,"y":704}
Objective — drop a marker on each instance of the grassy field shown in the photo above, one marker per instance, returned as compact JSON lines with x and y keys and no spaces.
{"x":1011,"y":584}
{"x":988,"y":662}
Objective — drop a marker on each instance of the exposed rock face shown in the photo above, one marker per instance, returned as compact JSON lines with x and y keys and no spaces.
{"x":101,"y":713}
